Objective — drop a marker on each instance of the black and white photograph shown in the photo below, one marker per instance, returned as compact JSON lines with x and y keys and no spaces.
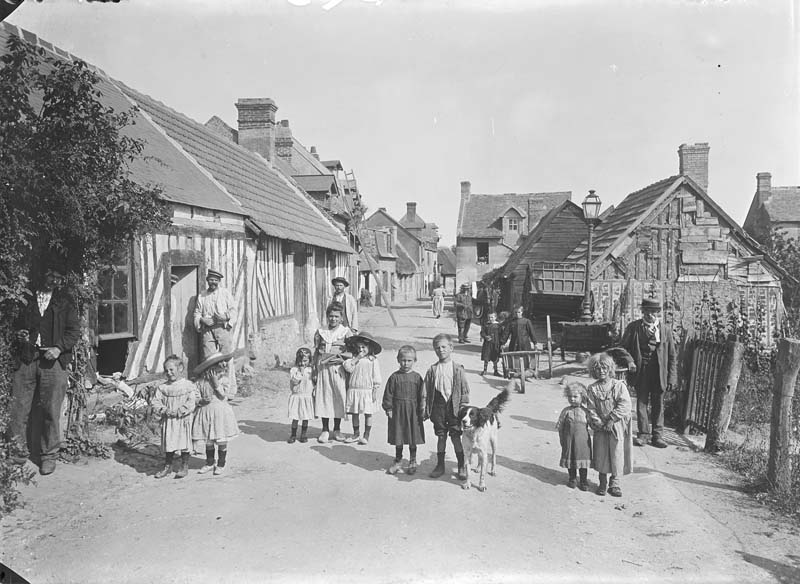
{"x":399,"y":291}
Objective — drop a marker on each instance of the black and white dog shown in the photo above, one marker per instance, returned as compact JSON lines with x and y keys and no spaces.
{"x":479,"y":427}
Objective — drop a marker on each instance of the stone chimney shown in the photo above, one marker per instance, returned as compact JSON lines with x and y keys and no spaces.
{"x":284,"y":142}
{"x":763,"y":187}
{"x":411,"y":212}
{"x":314,"y":152}
{"x":693,"y":159}
{"x":466,"y":187}
{"x":257,"y":125}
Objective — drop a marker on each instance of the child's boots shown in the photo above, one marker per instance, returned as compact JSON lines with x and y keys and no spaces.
{"x":439,"y":470}
{"x":209,"y":465}
{"x":462,"y":470}
{"x":167,"y":467}
{"x":583,"y":483}
{"x":412,"y":466}
{"x":395,"y":468}
{"x":601,"y":490}
{"x":303,"y":438}
{"x":184,"y":469}
{"x":573,"y":478}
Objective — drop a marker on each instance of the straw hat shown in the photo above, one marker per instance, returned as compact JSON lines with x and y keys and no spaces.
{"x":212,"y":360}
{"x":366,"y":338}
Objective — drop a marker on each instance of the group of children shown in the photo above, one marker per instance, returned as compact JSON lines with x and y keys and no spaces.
{"x":517,"y":330}
{"x":195,"y":415}
{"x":342,"y":376}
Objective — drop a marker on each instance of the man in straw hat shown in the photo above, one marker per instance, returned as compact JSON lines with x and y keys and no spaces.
{"x":214,"y":316}
{"x":348,"y":301}
{"x":655,"y":370}
{"x":463,"y":302}
{"x":47,"y":329}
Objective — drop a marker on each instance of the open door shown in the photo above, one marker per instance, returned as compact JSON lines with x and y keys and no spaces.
{"x":183,"y":296}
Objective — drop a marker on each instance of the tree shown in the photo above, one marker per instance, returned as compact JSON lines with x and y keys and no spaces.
{"x":786,"y":252}
{"x":66,"y":188}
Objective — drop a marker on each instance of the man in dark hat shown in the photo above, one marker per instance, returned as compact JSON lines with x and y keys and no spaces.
{"x":214,"y":316}
{"x":655,"y":369}
{"x":47,"y":329}
{"x":463,"y":302}
{"x":350,"y":313}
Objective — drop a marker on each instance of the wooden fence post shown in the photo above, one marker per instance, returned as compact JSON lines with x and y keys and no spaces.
{"x":725,"y":394}
{"x":779,"y":469}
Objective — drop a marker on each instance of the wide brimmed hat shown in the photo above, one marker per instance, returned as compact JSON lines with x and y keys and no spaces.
{"x":340,"y":279}
{"x":366,"y":338}
{"x":214,"y":273}
{"x":651,"y":304}
{"x":465,"y":286}
{"x":212,"y":360}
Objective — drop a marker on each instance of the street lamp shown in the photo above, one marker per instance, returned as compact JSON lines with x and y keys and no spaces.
{"x":591,"y":214}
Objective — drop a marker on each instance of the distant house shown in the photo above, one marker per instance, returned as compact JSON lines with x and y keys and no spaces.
{"x":553,"y":238}
{"x":378,"y":260}
{"x":231,"y":211}
{"x":428,"y":234}
{"x":490,"y":226}
{"x":415,"y":268}
{"x":447,"y":269}
{"x":672,"y":241}
{"x":773,"y":208}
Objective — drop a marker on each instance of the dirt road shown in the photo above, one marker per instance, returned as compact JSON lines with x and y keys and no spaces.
{"x":321,"y":513}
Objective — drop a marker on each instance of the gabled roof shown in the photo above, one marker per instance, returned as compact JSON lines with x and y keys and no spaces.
{"x":405,"y":264}
{"x":304,"y":162}
{"x":333,"y":164}
{"x":162,"y":163}
{"x":781,"y":206}
{"x":385,"y":214}
{"x":447,"y":261}
{"x":479,"y":215}
{"x":415,"y":222}
{"x":316,"y":183}
{"x":274,"y":205}
{"x":520,"y":254}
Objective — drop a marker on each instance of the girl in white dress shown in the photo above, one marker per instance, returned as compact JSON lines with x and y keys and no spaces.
{"x":331,"y":392}
{"x":214,"y":422}
{"x":301,"y":399}
{"x":365,"y":381}
{"x":174,"y":400}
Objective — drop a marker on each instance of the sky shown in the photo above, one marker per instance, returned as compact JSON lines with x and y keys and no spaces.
{"x":513,"y":96}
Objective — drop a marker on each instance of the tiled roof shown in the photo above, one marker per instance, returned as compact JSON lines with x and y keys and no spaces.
{"x":479,"y":215}
{"x":634,"y":207}
{"x":161,"y":163}
{"x":315,"y":183}
{"x":405,"y":265}
{"x":415,"y":222}
{"x":783,"y":204}
{"x":304,"y":162}
{"x":274,"y":206}
{"x":333,"y":164}
{"x":447,"y":261}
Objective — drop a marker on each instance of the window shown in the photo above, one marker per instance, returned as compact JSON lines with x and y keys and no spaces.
{"x":114,"y":315}
{"x":513,"y":224}
{"x":483,"y":252}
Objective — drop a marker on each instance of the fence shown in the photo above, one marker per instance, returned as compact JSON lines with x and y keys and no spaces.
{"x":708,"y":358}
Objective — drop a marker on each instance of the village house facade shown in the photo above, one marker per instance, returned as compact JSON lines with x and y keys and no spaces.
{"x":490,"y":227}
{"x":232,"y":212}
{"x":447,"y":269}
{"x":773,"y":209}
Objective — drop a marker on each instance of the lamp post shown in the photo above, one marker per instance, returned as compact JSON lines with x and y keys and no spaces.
{"x":591,"y":214}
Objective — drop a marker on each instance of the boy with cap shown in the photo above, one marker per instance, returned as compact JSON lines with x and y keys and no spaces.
{"x":348,"y":302}
{"x":654,"y":369}
{"x":214,"y":315}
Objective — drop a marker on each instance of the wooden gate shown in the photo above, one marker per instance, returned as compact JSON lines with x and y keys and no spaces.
{"x":708,"y":359}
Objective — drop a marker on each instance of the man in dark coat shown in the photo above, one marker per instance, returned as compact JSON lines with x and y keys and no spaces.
{"x":655,"y":369}
{"x":46,"y":330}
{"x":463,"y":302}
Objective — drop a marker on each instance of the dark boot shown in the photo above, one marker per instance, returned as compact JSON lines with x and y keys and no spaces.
{"x":573,"y":478}
{"x":462,"y":471}
{"x":583,"y":483}
{"x":184,"y":470}
{"x":303,"y":438}
{"x":439,"y":470}
{"x":601,"y":490}
{"x":167,"y":467}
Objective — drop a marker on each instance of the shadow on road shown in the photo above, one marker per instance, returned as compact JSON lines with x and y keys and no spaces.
{"x":147,"y":459}
{"x":271,"y":431}
{"x":545,"y":425}
{"x":674,"y":477}
{"x":783,"y":573}
{"x":540,"y":473}
{"x":345,"y":454}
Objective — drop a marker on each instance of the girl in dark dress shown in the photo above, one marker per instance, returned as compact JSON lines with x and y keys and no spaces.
{"x":403,"y":400}
{"x":490,"y":333}
{"x":573,"y":432}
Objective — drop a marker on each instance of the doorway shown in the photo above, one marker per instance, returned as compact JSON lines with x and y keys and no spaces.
{"x":183,"y":298}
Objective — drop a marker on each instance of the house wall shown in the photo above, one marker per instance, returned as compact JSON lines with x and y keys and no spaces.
{"x":467,"y":268}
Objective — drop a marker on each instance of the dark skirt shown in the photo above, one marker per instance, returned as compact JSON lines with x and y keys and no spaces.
{"x":405,"y":426}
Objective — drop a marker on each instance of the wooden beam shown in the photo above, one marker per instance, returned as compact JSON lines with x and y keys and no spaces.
{"x":779,"y":467}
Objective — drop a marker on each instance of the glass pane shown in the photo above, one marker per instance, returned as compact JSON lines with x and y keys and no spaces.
{"x":120,"y":317}
{"x":121,"y":285}
{"x":104,"y":323}
{"x":104,"y":281}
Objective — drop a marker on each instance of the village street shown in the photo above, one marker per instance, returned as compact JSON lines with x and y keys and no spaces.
{"x":319,"y":513}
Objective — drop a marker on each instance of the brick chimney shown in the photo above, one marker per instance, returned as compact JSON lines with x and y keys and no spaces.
{"x":284,"y":142}
{"x":411,"y":211}
{"x":257,"y":125}
{"x":693,"y":159}
{"x":466,"y":189}
{"x":314,"y":152}
{"x":763,"y":187}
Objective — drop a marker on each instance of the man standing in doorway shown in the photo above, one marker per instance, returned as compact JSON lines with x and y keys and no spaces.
{"x":655,"y":370}
{"x":214,"y":316}
{"x":47,"y":329}
{"x":463,"y":302}
{"x":350,"y":314}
